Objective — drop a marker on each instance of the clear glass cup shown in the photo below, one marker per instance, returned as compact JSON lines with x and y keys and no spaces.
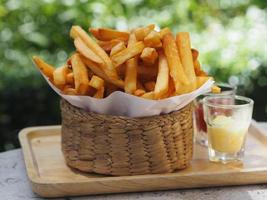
{"x":200,"y":127}
{"x":227,"y":126}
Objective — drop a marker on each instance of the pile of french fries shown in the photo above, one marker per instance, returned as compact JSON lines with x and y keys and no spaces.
{"x":143,"y":62}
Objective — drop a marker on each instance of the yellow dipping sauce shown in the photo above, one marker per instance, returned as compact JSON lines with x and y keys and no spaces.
{"x":225,"y":135}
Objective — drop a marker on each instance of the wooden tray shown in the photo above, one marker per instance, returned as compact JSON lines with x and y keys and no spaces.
{"x":50,"y":177}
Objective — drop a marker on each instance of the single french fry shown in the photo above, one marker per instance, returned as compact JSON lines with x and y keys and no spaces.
{"x":184,"y":49}
{"x":162,"y":83}
{"x":70,"y":78}
{"x":139,"y":92}
{"x":130,"y":76}
{"x":149,"y":55}
{"x":148,"y":95}
{"x":117,"y":48}
{"x":176,"y":69}
{"x":127,"y":53}
{"x":45,"y":68}
{"x":107,"y":34}
{"x":194,"y":54}
{"x":100,"y":93}
{"x":77,"y":31}
{"x":153,"y":39}
{"x":96,"y":82}
{"x":59,"y":76}
{"x":86,"y":52}
{"x":80,"y":73}
{"x":150,"y":86}
{"x":215,"y":89}
{"x":164,"y":31}
{"x":108,"y":45}
{"x":142,"y":32}
{"x":99,"y":72}
{"x":130,"y":79}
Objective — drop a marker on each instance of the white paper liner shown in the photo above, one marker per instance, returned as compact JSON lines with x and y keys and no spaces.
{"x":123,"y":104}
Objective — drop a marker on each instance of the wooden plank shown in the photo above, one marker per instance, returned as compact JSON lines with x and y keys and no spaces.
{"x":50,"y":177}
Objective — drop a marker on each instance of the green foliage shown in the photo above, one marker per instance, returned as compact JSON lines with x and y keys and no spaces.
{"x":230,"y":36}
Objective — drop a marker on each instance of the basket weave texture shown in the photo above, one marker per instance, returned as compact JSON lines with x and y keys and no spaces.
{"x":117,"y":145}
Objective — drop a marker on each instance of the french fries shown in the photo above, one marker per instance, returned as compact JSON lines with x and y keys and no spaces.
{"x":117,"y":48}
{"x":131,"y":69}
{"x":127,"y":53}
{"x":47,"y":69}
{"x":107,"y":34}
{"x":108,"y":45}
{"x":142,"y":32}
{"x":86,"y":52}
{"x":149,"y":55}
{"x":153,"y":40}
{"x":77,"y":31}
{"x":162,"y":83}
{"x":80,"y":74}
{"x":96,"y":82}
{"x":143,"y":62}
{"x":184,"y":49}
{"x":60,"y":76}
{"x":176,"y":69}
{"x":164,"y":31}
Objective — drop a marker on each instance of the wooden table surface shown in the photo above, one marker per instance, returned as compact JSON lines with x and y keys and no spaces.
{"x":14,"y":185}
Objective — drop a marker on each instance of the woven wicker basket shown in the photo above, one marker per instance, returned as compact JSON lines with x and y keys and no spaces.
{"x":116,"y":145}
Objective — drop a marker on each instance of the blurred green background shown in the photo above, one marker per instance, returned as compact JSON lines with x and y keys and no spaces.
{"x":230,"y":35}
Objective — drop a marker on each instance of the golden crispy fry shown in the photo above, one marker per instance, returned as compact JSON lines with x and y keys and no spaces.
{"x":148,"y":95}
{"x":215,"y":89}
{"x":171,"y":89}
{"x":130,"y":76}
{"x":108,"y":45}
{"x":80,"y":73}
{"x":153,"y":40}
{"x":127,"y":53}
{"x":131,"y":69}
{"x":184,"y":49}
{"x":162,"y":83}
{"x":117,"y":48}
{"x":70,"y":78}
{"x":100,"y":93}
{"x":96,"y":82}
{"x":150,"y":86}
{"x":139,"y":92}
{"x":164,"y":31}
{"x":98,"y":71}
{"x":149,"y":55}
{"x":142,"y":32}
{"x":174,"y":63}
{"x":107,"y":34}
{"x":194,"y":54}
{"x":85,"y":51}
{"x":77,"y":31}
{"x":47,"y":69}
{"x":60,"y":76}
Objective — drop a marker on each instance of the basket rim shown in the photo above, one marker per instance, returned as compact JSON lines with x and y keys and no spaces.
{"x":120,"y":116}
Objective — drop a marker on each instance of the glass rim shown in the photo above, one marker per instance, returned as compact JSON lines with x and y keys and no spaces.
{"x":249,"y":101}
